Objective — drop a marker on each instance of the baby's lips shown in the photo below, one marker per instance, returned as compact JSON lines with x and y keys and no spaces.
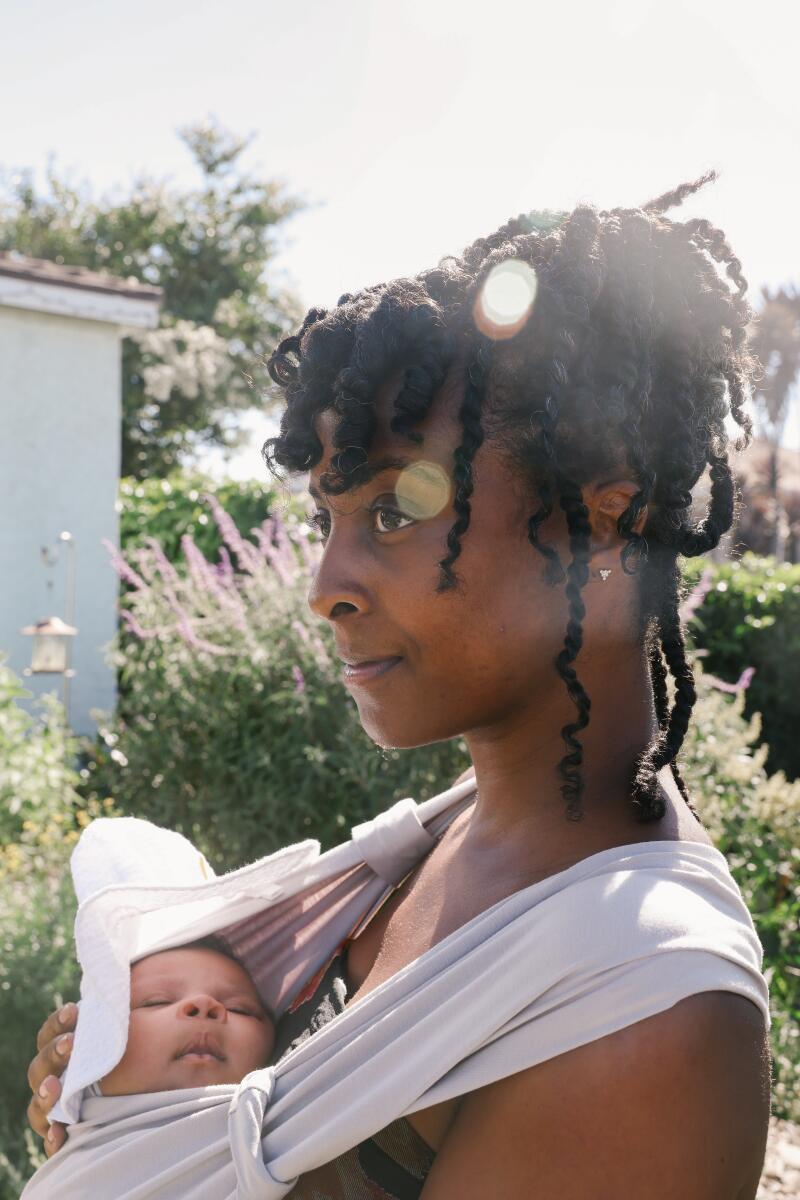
{"x":204,"y":1043}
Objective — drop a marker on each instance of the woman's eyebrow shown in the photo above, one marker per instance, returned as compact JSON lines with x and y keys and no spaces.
{"x":389,"y":462}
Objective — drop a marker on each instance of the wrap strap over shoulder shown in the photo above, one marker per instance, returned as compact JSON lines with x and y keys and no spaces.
{"x":393,"y":842}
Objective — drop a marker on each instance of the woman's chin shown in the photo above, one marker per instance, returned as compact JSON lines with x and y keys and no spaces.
{"x":389,"y":734}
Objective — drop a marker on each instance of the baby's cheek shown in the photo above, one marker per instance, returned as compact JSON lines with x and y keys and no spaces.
{"x":261,"y":1047}
{"x":128,"y":1074}
{"x":270,"y":1041}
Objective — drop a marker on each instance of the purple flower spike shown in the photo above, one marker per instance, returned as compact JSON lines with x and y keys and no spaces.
{"x":168,"y":572}
{"x":299,"y":681}
{"x":123,"y":568}
{"x":224,"y":567}
{"x":135,"y":628}
{"x":742,"y":683}
{"x":697,"y":595}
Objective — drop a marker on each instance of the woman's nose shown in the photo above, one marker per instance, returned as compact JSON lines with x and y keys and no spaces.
{"x":335,"y":590}
{"x":203,"y":1006}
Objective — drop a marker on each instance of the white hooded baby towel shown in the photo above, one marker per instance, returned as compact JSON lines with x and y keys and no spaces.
{"x":618,"y":937}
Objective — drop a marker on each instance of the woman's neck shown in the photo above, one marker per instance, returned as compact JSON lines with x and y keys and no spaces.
{"x":519,"y":801}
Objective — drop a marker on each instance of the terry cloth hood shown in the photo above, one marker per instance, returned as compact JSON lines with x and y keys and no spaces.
{"x":617,"y":937}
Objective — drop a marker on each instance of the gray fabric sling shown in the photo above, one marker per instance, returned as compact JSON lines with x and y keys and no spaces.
{"x":618,"y":937}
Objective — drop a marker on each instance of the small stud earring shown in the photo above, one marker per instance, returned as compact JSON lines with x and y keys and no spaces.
{"x":604,"y":573}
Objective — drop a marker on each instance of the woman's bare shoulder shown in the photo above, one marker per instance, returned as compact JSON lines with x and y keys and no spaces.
{"x":673,"y":1105}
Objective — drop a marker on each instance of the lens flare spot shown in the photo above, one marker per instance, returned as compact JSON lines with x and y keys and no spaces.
{"x":423,"y":490}
{"x":505,"y":301}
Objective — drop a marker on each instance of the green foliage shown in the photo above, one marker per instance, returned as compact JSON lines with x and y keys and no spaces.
{"x":166,"y":509}
{"x":208,"y":248}
{"x":753,"y":818}
{"x":41,"y":814}
{"x":751,"y":617}
{"x":37,"y":782}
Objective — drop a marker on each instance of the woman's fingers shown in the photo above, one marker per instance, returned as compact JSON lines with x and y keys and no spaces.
{"x":43,"y":1100}
{"x":63,"y":1020}
{"x":55,"y":1138}
{"x":51,"y":1060}
{"x":54,"y":1135}
{"x":54,"y":1043}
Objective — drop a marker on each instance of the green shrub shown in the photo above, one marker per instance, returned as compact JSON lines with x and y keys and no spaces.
{"x":166,"y":509}
{"x":37,"y":778}
{"x":751,"y":618}
{"x":41,"y":814}
{"x":753,"y":818}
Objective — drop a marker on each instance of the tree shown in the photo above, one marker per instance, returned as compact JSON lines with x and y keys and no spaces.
{"x":185,"y":383}
{"x":776,"y":342}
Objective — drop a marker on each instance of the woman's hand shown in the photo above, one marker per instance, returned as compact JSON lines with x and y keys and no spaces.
{"x":54,"y":1043}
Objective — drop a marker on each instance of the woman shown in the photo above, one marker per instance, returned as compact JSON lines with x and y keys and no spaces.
{"x":499,"y":448}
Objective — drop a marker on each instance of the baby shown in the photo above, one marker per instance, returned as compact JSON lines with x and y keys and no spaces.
{"x":196,"y":1019}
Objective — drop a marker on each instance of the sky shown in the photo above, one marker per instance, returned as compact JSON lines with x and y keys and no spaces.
{"x":410,"y":128}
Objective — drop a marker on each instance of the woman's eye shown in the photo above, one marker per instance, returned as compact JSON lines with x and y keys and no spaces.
{"x":244,"y":1012}
{"x":316,"y":521}
{"x":152,"y":1003}
{"x":394,"y":516}
{"x":382,"y":513}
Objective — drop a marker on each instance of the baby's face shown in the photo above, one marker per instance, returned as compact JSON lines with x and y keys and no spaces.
{"x":196,"y":1019}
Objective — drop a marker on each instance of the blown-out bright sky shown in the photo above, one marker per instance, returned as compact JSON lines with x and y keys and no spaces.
{"x":411,"y":128}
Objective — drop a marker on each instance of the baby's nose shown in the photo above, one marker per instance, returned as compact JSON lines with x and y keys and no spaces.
{"x":203,"y":1006}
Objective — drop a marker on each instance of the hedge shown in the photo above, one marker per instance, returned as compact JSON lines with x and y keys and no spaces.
{"x":750,"y":617}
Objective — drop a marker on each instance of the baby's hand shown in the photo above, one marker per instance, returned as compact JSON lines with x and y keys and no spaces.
{"x":54,"y":1043}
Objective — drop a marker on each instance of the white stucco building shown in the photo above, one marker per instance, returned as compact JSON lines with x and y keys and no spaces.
{"x":61,"y":329}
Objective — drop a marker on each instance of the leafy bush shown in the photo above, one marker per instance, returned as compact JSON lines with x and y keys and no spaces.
{"x":41,"y":814}
{"x":233,"y":724}
{"x":36,"y":778}
{"x":166,"y":509}
{"x":751,"y":617}
{"x":754,"y":820}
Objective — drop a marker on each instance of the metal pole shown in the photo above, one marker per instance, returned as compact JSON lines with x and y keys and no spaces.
{"x":69,"y":611}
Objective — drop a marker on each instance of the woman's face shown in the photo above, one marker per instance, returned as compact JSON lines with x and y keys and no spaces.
{"x":196,"y":1019}
{"x":469,"y":658}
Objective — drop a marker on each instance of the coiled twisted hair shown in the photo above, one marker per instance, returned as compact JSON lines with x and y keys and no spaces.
{"x":633,"y":353}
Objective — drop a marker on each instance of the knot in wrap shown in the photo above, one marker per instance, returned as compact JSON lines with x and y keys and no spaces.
{"x":245,"y":1119}
{"x":394,"y":841}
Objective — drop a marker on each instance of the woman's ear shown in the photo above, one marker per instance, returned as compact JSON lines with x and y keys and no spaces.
{"x":606,"y":502}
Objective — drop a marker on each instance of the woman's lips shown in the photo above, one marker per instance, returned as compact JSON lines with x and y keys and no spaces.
{"x":366,"y":671}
